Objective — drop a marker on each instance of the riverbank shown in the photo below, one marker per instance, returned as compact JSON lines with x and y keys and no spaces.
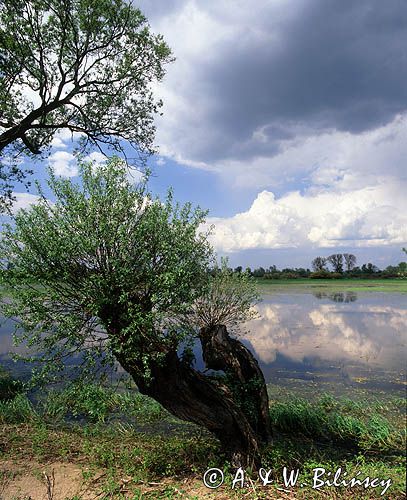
{"x":309,"y":285}
{"x":99,"y":443}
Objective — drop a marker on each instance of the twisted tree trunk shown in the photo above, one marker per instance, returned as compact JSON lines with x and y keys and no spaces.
{"x":208,"y":402}
{"x":222,"y":352}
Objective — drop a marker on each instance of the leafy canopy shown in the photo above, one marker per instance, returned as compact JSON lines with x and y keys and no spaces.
{"x":104,"y":249}
{"x":81,"y":65}
{"x":228,"y":300}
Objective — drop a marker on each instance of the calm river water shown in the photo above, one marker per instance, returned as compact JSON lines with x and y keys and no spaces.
{"x":334,"y":342}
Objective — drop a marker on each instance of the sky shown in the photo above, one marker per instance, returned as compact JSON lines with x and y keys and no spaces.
{"x":287,"y":119}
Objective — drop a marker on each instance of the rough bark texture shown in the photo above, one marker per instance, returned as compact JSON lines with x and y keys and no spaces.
{"x":191,"y":396}
{"x":222,"y":352}
{"x":195,"y":397}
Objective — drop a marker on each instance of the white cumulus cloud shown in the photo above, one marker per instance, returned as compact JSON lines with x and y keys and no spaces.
{"x":369,"y":216}
{"x":23,"y":200}
{"x":64,"y":164}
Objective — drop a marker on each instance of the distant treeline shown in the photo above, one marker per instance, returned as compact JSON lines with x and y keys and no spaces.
{"x":335,"y":266}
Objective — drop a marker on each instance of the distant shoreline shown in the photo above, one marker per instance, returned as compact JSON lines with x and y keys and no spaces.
{"x":388,"y":285}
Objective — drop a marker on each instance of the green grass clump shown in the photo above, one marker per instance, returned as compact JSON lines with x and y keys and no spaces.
{"x":95,"y":403}
{"x":338,"y":422}
{"x":90,"y":401}
{"x":17,"y":410}
{"x":9,"y":387}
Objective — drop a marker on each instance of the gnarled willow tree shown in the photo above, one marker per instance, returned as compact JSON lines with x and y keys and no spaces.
{"x":107,"y":270}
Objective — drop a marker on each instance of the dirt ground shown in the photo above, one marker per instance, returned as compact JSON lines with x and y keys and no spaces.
{"x":33,"y":481}
{"x":30,"y":480}
{"x":20,"y":480}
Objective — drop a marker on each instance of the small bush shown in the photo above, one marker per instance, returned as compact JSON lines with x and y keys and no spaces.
{"x":89,"y":401}
{"x":97,"y":403}
{"x":17,"y":410}
{"x":325,"y":275}
{"x":9,"y":387}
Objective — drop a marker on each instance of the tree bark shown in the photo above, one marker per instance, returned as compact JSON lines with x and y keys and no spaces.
{"x":191,"y":396}
{"x":222,"y":352}
{"x":19,"y":131}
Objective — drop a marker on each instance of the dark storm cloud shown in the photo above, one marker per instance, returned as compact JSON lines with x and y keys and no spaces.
{"x":338,"y":65}
{"x":155,"y":9}
{"x":332,"y":64}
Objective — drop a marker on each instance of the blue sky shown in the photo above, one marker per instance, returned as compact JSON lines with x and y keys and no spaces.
{"x":288,"y":121}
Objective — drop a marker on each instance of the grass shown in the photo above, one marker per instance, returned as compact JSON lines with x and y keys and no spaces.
{"x":9,"y":387}
{"x":349,"y":284}
{"x":341,"y":422}
{"x":133,"y":448}
{"x":395,"y":285}
{"x":97,"y":404}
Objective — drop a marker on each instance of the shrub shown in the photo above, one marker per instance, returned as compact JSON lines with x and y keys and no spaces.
{"x":9,"y":387}
{"x":17,"y":410}
{"x":325,"y":275}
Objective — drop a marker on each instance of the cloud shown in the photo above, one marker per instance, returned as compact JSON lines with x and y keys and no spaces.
{"x":96,"y":157}
{"x":64,"y":164}
{"x":63,"y":137}
{"x":330,"y":158}
{"x":336,"y":335}
{"x":135,"y":176}
{"x":23,"y":200}
{"x":58,"y":143}
{"x":246,"y":79}
{"x":370,"y":216}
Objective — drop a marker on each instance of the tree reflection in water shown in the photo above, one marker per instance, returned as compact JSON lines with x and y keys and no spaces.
{"x":337,"y":296}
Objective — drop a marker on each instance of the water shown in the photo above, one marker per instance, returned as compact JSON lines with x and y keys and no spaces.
{"x":339,"y":342}
{"x":335,"y":342}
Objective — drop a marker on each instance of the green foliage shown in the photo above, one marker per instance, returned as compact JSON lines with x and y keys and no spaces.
{"x":11,"y":173}
{"x":228,"y":300}
{"x":399,"y":271}
{"x":245,"y":395}
{"x":331,"y":420}
{"x":17,"y":410}
{"x":9,"y":387}
{"x":88,"y":400}
{"x":96,"y":403}
{"x":88,"y":66}
{"x":105,"y":249}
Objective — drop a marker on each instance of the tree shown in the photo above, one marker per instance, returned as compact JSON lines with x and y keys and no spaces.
{"x":10,"y":174}
{"x":259,"y":272}
{"x":318,"y":264}
{"x":81,"y":65}
{"x":336,"y":260}
{"x":369,"y":268}
{"x":350,"y":261}
{"x":122,"y":276}
{"x":402,"y":266}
